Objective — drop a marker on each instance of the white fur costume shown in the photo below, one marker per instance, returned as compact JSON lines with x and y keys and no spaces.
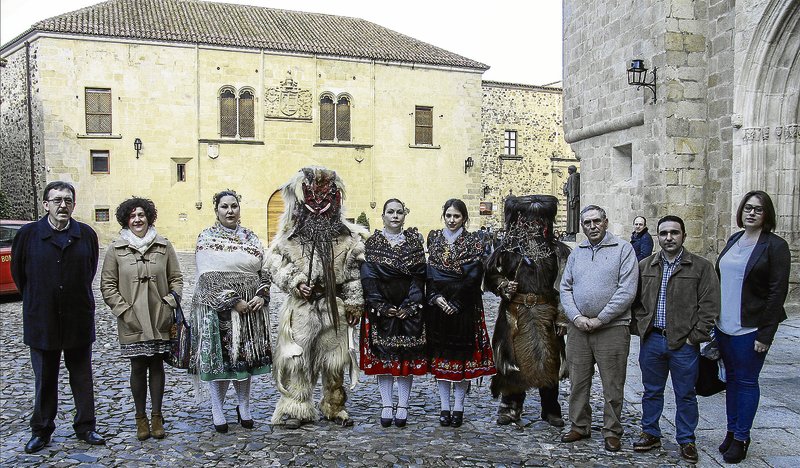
{"x":308,"y":344}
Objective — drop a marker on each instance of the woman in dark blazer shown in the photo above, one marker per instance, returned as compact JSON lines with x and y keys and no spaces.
{"x":754,"y":279}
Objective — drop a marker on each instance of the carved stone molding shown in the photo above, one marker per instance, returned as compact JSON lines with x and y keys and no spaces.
{"x":287,"y":101}
{"x":782,"y":133}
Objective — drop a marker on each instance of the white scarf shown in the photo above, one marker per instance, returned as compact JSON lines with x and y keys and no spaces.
{"x":451,"y":237}
{"x":393,"y":239}
{"x":139,"y":244}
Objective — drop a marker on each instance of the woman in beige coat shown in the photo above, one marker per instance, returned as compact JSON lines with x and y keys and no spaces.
{"x":139,"y":272}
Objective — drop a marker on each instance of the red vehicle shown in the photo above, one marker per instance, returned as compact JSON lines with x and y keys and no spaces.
{"x":8,"y":229}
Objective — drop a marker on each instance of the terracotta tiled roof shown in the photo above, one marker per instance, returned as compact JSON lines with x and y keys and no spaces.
{"x":225,"y":24}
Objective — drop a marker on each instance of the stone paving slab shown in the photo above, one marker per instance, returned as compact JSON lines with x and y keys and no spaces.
{"x":191,"y":440}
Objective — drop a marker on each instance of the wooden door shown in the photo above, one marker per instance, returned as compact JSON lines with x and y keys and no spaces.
{"x":274,"y":212}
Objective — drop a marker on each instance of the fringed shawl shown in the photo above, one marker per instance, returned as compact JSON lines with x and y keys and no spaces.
{"x":230,"y":268}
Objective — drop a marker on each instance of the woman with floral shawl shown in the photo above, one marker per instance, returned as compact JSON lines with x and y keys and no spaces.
{"x":230,"y":313}
{"x":457,"y":339}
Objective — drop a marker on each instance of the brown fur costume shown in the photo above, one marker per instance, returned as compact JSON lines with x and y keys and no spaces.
{"x":527,"y":349}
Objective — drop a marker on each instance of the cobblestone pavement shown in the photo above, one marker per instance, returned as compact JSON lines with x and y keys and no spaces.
{"x":191,"y":440}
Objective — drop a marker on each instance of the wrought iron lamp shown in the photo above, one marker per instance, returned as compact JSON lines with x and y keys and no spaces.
{"x":637,"y":76}
{"x":137,"y":145}
{"x":486,"y":190}
{"x":468,"y":163}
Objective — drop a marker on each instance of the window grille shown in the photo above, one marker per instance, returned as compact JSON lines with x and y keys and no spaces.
{"x":227,"y":113}
{"x":181,"y":167}
{"x":423,"y":126}
{"x":102,"y":215}
{"x":343,"y":119}
{"x":247,"y":128}
{"x":326,"y":119}
{"x":98,"y":111}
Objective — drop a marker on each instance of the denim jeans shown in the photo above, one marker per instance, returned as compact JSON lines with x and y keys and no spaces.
{"x":742,"y":367}
{"x":657,"y":361}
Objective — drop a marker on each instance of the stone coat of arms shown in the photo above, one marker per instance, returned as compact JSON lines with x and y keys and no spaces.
{"x":287,"y":101}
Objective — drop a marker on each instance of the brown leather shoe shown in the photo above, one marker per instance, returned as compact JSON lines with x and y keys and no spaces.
{"x":689,"y":452}
{"x":142,"y":427}
{"x":157,"y":426}
{"x":612,"y":444}
{"x":646,"y":442}
{"x":573,"y":436}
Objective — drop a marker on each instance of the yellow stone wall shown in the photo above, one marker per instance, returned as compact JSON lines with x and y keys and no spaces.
{"x":167,"y":96}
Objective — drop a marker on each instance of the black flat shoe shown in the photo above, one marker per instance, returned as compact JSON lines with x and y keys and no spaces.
{"x":385,"y":422}
{"x":445,"y":419}
{"x":401,"y":422}
{"x":91,"y":438}
{"x":458,"y":419}
{"x":245,"y":423}
{"x":36,"y":443}
{"x":221,"y":428}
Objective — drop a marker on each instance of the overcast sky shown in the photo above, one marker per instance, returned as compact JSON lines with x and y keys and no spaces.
{"x":519,"y":39}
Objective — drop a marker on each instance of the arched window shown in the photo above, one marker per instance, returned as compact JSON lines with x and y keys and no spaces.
{"x":237,"y":113}
{"x":334,"y":118}
{"x":327,"y":119}
{"x":227,"y":113}
{"x":247,"y":108}
{"x":343,"y":119}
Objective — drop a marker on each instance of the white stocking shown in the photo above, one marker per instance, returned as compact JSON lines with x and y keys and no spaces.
{"x":243,"y":395}
{"x":403,"y":391}
{"x":385,"y":383}
{"x":459,"y":392}
{"x":444,"y":394}
{"x":218,"y":389}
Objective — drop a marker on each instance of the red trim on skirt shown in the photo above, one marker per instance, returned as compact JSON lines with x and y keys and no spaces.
{"x":373,"y":365}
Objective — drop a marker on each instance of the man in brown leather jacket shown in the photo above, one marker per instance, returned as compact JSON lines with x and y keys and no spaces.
{"x":677,"y":303}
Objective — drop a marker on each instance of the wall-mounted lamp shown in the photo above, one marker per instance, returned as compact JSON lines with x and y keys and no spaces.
{"x":468,"y":163}
{"x":137,"y":145}
{"x":637,"y":76}
{"x":486,"y":190}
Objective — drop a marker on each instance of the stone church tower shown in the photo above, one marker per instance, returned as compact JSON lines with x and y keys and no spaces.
{"x":723,"y":119}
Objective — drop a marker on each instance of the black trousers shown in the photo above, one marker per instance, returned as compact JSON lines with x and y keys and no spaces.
{"x":548,"y":397}
{"x":46,"y":365}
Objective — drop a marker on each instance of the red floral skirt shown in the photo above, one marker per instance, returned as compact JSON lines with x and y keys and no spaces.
{"x":373,"y":365}
{"x":481,"y":364}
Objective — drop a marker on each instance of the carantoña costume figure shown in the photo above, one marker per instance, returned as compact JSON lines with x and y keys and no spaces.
{"x":315,"y":258}
{"x":524,"y":271}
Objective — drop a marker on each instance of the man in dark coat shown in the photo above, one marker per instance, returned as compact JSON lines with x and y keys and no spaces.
{"x":53,"y":262}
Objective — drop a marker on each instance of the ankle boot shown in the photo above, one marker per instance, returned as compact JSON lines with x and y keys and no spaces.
{"x":726,"y":443}
{"x":142,"y":427}
{"x":737,"y":451}
{"x":157,"y":426}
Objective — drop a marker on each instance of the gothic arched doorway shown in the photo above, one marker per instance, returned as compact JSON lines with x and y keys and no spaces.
{"x":768,"y":156}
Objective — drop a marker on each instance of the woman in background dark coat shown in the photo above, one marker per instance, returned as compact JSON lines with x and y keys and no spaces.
{"x":754,"y":279}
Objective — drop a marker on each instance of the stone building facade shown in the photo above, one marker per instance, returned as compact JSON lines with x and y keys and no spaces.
{"x":243,"y":108}
{"x":523,"y":148}
{"x":723,"y":120}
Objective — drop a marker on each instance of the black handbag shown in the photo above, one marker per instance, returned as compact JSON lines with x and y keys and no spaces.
{"x":180,"y":336}
{"x":708,"y":382}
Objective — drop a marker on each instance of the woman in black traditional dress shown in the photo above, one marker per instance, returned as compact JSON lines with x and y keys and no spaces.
{"x":393,"y":332}
{"x":458,"y":342}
